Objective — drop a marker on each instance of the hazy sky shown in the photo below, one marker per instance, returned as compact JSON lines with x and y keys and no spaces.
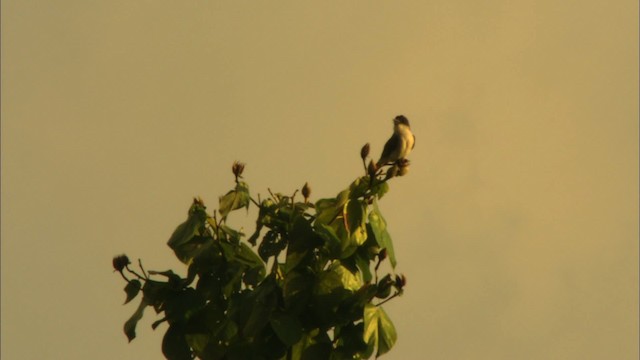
{"x":517,"y":226}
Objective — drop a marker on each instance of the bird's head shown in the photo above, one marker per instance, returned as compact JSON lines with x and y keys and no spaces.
{"x":401,"y":120}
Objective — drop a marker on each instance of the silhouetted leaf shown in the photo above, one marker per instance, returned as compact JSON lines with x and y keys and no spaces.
{"x":130,"y":325}
{"x":132,"y":289}
{"x":174,"y":343}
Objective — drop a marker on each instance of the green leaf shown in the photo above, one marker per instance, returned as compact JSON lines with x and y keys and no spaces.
{"x":246,"y":256}
{"x":271,"y":245}
{"x":350,"y":342}
{"x":180,"y":305}
{"x":379,"y":229}
{"x":359,"y":187}
{"x":297,"y":290}
{"x":380,"y":189}
{"x":314,"y":345}
{"x":241,"y":253}
{"x":265,"y":302}
{"x":326,"y":211}
{"x":234,"y":199}
{"x":130,"y":325}
{"x":378,"y":329}
{"x":155,"y":293}
{"x":348,"y":244}
{"x":231,"y":234}
{"x":184,"y":241}
{"x":198,"y":342}
{"x":302,"y":240}
{"x":287,"y":328}
{"x":363,"y":264}
{"x":332,"y":244}
{"x":132,"y":289}
{"x":337,"y":276}
{"x":354,"y":215}
{"x":174,"y":343}
{"x":350,"y":280}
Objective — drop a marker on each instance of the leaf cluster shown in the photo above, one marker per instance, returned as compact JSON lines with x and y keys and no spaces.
{"x":310,"y":291}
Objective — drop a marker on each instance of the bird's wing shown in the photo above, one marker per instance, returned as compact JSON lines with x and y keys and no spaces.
{"x":391,"y":145}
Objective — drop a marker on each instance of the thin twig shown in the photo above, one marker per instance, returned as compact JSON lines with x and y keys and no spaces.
{"x":134,"y":273}
{"x":273,"y":196}
{"x":124,"y":277}
{"x":255,"y":202}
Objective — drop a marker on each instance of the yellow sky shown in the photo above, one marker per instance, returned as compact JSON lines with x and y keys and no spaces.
{"x":517,"y":226}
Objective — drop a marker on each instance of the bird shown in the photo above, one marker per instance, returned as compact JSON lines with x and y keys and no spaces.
{"x":399,"y":144}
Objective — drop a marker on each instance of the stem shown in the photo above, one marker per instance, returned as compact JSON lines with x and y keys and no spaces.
{"x":273,"y":196}
{"x":274,"y":267}
{"x":124,"y":277}
{"x":293,"y":196}
{"x":146,"y":276}
{"x":134,"y":273}
{"x":255,"y":202}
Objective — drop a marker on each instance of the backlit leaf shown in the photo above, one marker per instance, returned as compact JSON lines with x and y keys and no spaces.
{"x":184,"y":241}
{"x":378,"y":329}
{"x":234,"y":199}
{"x":379,"y":229}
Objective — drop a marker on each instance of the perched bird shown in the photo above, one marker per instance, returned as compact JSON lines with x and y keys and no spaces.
{"x":400,"y":144}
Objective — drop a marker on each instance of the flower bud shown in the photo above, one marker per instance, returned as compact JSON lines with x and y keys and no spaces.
{"x":384,"y":287}
{"x":120,"y":262}
{"x":306,"y":191}
{"x":401,"y":281}
{"x":382,"y":255}
{"x":364,"y":152}
{"x":237,"y":169}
